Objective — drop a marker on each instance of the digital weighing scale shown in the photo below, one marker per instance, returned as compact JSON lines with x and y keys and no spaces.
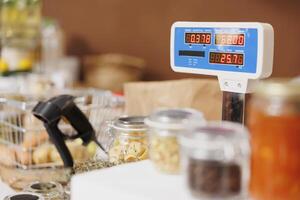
{"x":237,"y":53}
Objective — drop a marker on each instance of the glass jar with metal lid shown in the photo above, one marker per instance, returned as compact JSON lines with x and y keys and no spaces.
{"x":215,"y":159}
{"x":24,"y":196}
{"x":130,"y":140}
{"x":274,"y":123}
{"x":49,"y":190}
{"x":164,"y":128}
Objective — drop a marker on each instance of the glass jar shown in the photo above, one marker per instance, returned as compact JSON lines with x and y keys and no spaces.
{"x":20,"y":41}
{"x":49,"y":190}
{"x":24,"y":196}
{"x":130,"y":140}
{"x":164,"y":128}
{"x":215,"y":160}
{"x":274,"y":123}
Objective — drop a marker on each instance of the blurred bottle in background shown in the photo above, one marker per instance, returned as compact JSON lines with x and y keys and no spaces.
{"x":53,"y":47}
{"x":274,"y":123}
{"x":0,"y":27}
{"x":20,"y":35}
{"x":62,"y":70}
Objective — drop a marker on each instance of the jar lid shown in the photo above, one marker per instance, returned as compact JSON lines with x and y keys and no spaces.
{"x":283,"y":88}
{"x":174,"y":119}
{"x":24,"y":196}
{"x":215,"y":132}
{"x":223,"y":141}
{"x":132,"y":123}
{"x":46,"y":189}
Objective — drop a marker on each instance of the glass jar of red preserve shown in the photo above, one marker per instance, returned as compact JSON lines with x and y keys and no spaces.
{"x":274,"y":123}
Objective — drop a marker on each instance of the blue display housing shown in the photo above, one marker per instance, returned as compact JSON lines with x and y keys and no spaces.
{"x":196,"y":56}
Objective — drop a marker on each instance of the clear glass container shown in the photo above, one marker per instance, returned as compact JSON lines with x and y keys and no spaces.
{"x":215,"y":160}
{"x":274,"y":124}
{"x":130,"y":141}
{"x":24,"y":196}
{"x":49,"y":190}
{"x":164,"y":128}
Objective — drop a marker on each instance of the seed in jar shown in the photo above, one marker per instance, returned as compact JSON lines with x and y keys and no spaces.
{"x":129,"y":158}
{"x":128,"y":150}
{"x":135,"y":148}
{"x":144,"y":155}
{"x":116,"y":154}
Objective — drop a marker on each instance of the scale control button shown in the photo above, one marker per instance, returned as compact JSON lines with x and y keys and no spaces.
{"x":233,"y":85}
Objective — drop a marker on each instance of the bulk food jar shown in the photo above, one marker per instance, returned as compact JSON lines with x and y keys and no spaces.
{"x":215,"y":161}
{"x":24,"y":196}
{"x":274,"y":123}
{"x":164,"y":128}
{"x":130,"y":140}
{"x":49,"y":190}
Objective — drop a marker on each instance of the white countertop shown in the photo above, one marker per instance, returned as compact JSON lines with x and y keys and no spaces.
{"x":135,"y":181}
{"x":5,"y":190}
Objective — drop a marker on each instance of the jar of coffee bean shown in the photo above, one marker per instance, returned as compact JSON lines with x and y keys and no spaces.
{"x":215,"y":159}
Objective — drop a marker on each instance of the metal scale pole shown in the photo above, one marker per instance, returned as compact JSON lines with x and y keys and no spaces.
{"x":234,"y":106}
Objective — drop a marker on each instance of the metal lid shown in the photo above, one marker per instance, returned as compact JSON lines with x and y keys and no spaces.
{"x":223,"y":141}
{"x":215,"y":132}
{"x":24,"y":196}
{"x":49,"y":190}
{"x":283,"y":88}
{"x":132,"y":123}
{"x":174,"y":119}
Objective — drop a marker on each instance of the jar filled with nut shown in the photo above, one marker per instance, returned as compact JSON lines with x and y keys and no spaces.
{"x":215,"y":159}
{"x":130,"y":140}
{"x":164,"y":128}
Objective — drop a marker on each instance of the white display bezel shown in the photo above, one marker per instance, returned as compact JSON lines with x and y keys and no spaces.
{"x":264,"y":51}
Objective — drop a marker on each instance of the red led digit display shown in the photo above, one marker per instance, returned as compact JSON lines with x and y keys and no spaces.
{"x":198,"y":38}
{"x":226,"y":58}
{"x":230,"y":39}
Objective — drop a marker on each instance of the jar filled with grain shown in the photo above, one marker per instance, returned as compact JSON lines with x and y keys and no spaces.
{"x":164,"y":128}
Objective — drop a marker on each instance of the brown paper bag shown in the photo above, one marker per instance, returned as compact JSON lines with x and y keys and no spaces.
{"x":142,"y":98}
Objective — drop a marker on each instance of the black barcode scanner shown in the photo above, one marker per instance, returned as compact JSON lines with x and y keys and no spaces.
{"x":64,"y":107}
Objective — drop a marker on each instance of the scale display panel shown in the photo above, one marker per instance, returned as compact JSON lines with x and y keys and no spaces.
{"x":222,"y":48}
{"x":225,"y":49}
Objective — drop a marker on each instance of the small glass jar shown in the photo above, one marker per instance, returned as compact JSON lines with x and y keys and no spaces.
{"x":215,"y":160}
{"x":49,"y":190}
{"x":274,"y":124}
{"x":130,"y":140}
{"x":164,"y":128}
{"x":24,"y":196}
